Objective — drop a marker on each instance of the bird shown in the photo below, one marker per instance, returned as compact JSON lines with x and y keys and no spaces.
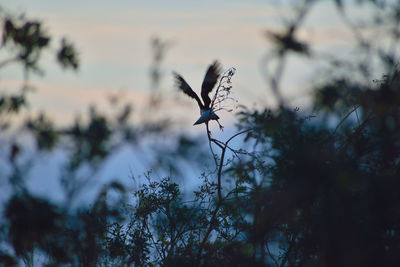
{"x":209,"y":81}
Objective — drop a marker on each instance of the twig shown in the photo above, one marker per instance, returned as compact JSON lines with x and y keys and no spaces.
{"x":152,"y":239}
{"x":344,"y":118}
{"x":358,"y":119}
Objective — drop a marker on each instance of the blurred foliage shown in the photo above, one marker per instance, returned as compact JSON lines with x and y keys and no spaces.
{"x":315,"y":189}
{"x":28,"y":37}
{"x":67,"y":55}
{"x":44,"y":132}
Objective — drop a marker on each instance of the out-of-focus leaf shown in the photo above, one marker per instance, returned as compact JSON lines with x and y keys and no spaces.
{"x":43,"y":130}
{"x":67,"y":55}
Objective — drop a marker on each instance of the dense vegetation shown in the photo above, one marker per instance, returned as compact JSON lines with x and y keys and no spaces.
{"x":315,"y":189}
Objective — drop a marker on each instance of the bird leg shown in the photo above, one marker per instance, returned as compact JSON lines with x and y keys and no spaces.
{"x":220,"y":126}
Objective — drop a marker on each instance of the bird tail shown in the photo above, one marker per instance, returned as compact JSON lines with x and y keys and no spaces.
{"x":206,"y":116}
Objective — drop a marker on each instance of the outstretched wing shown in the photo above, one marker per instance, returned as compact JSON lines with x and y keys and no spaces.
{"x":184,"y":86}
{"x":211,"y":78}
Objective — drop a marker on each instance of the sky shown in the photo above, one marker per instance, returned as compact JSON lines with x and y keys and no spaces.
{"x":113,"y":41}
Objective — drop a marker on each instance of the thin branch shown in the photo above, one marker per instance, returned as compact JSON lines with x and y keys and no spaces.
{"x":162,"y":256}
{"x":237,"y":134}
{"x":344,"y":118}
{"x":358,"y":119}
{"x":211,"y":149}
{"x":223,"y":146}
{"x":225,"y":79}
{"x":219,"y":186}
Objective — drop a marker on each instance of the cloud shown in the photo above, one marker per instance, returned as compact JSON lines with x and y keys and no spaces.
{"x":114,"y":44}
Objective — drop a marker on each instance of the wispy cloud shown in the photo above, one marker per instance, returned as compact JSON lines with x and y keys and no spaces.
{"x":113,"y":41}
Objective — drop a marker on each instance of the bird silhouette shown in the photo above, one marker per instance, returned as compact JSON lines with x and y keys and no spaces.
{"x":210,"y":79}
